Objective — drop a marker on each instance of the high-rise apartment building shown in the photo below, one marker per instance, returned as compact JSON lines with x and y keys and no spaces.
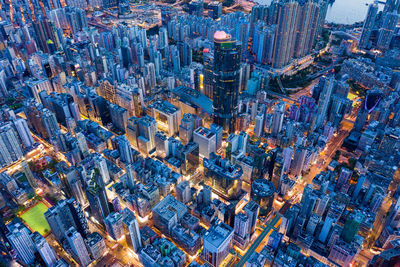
{"x":369,"y":24}
{"x":78,"y":246}
{"x":45,"y":250}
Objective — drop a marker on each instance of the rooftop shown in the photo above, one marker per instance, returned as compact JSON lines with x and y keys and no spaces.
{"x":217,"y":234}
{"x":262,"y":188}
{"x":169,"y":206}
{"x":194,"y":97}
{"x":164,"y":106}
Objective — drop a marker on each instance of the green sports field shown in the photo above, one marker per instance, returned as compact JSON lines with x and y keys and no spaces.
{"x":34,"y":218}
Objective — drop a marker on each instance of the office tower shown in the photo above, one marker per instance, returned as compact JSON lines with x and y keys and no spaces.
{"x":308,"y":201}
{"x":262,"y":192}
{"x":217,"y":243}
{"x":259,"y":128}
{"x":132,"y":131}
{"x":97,"y":197}
{"x":218,"y":131}
{"x":208,"y":62}
{"x":167,"y":213}
{"x":352,"y":225}
{"x":50,"y":123}
{"x":10,"y":147}
{"x":113,"y":224}
{"x":241,"y":230}
{"x":277,"y":118}
{"x":77,"y":246}
{"x":340,"y":106}
{"x":206,"y":140}
{"x":45,"y":31}
{"x":226,"y":73}
{"x":313,"y":223}
{"x":59,"y":219}
{"x":358,"y":187}
{"x":130,"y":178}
{"x":147,"y":128}
{"x":24,"y":133}
{"x":330,"y":221}
{"x":96,"y":245}
{"x":287,"y":155}
{"x":100,"y":164}
{"x":82,"y":144}
{"x":343,"y":180}
{"x":167,"y":116}
{"x":326,"y":83}
{"x":369,"y":24}
{"x":321,"y":205}
{"x":132,"y":231}
{"x":183,"y":192}
{"x":46,"y":252}
{"x":386,"y":32}
{"x":19,"y":238}
{"x":298,"y":161}
{"x":186,"y":128}
{"x":124,"y":148}
{"x":189,"y":156}
{"x":119,"y":117}
{"x":223,"y":176}
{"x":28,"y":174}
{"x":68,"y":213}
{"x":162,"y":144}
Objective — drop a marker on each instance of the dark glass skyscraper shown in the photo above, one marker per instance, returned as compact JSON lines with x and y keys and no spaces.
{"x":226,"y":89}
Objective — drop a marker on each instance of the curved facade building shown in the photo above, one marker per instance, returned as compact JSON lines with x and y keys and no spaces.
{"x":226,"y":87}
{"x":262,"y":192}
{"x":372,"y":99}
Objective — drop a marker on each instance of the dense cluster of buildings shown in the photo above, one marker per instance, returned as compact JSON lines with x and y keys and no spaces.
{"x":168,"y":147}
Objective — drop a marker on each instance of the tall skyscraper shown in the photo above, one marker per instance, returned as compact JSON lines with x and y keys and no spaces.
{"x":183,"y":192}
{"x":124,"y":149}
{"x":78,"y":247}
{"x":277,"y":118}
{"x":10,"y":147}
{"x":252,"y":209}
{"x":23,"y":131}
{"x":113,"y":224}
{"x":20,"y":240}
{"x":352,"y":225}
{"x":216,"y":243}
{"x":298,"y":160}
{"x":327,"y":86}
{"x":226,"y":73}
{"x":82,"y":144}
{"x":386,"y":32}
{"x":297,"y":26}
{"x":45,"y":250}
{"x":97,"y":197}
{"x":101,"y":165}
{"x":369,"y":24}
{"x":132,"y":231}
{"x":66,"y":214}
{"x":28,"y":174}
